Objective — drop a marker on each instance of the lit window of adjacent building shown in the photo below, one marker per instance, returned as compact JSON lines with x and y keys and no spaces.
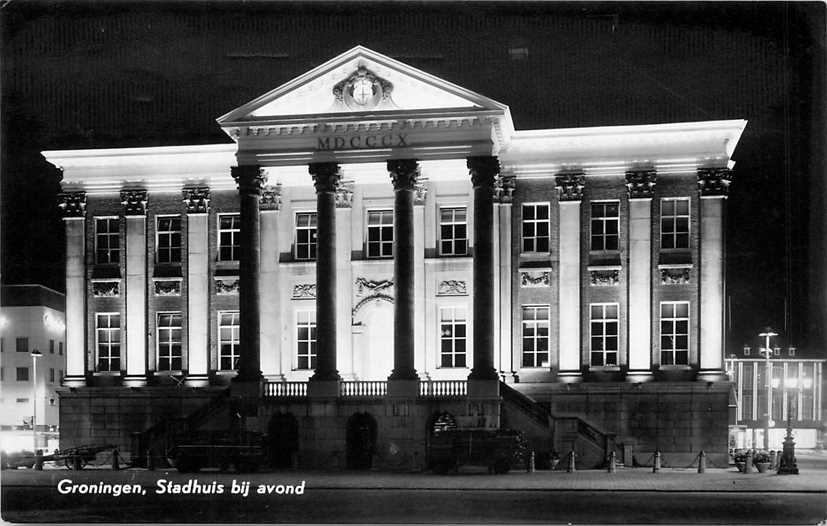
{"x":22,"y":344}
{"x":674,"y":333}
{"x":51,"y":346}
{"x":535,"y":335}
{"x":604,"y":335}
{"x":107,"y":240}
{"x":168,"y":239}
{"x":51,"y":375}
{"x":305,"y":339}
{"x":604,"y":222}
{"x":452,"y":331}
{"x":748,"y":391}
{"x":229,"y":230}
{"x":2,"y":344}
{"x":22,"y":374}
{"x":108,"y":341}
{"x":306,"y":236}
{"x":453,"y":232}
{"x":169,"y":341}
{"x":60,"y":348}
{"x":674,"y":223}
{"x":536,"y":227}
{"x":380,"y":233}
{"x":228,"y":340}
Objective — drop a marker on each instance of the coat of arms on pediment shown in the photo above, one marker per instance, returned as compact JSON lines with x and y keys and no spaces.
{"x":363,"y":89}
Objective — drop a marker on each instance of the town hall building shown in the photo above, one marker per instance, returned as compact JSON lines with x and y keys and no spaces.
{"x":379,"y":253}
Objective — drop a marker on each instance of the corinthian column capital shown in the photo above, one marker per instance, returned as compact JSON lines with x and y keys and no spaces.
{"x":404,"y":173}
{"x":483,"y":170}
{"x":640,"y":184}
{"x":249,"y":178}
{"x":326,"y":176}
{"x":714,"y":181}
{"x":134,"y":202}
{"x":72,"y":204}
{"x":570,"y":186}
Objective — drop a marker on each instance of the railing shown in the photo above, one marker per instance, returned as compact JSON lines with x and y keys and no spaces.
{"x":285,"y":389}
{"x":363,"y":389}
{"x":443,"y":388}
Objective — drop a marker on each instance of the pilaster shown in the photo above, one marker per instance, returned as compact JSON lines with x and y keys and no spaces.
{"x":570,"y":194}
{"x":73,"y":205}
{"x":197,"y":203}
{"x":134,"y":209}
{"x":270,"y":335}
{"x":344,"y":283}
{"x":509,"y":359}
{"x":421,"y":201}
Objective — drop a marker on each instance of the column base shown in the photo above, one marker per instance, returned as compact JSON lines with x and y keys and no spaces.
{"x":711,"y":375}
{"x":134,"y":381}
{"x":569,"y":377}
{"x":483,"y":389}
{"x":74,"y":381}
{"x":323,"y":388}
{"x":404,"y":374}
{"x":197,"y":380}
{"x":484,"y":374}
{"x":408,"y":389}
{"x":246,"y":389}
{"x":640,"y":376}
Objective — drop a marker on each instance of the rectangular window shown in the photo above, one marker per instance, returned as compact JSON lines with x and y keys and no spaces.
{"x":168,"y":248}
{"x":228,"y":340}
{"x":60,"y":374}
{"x":169,"y":341}
{"x":674,"y":333}
{"x":453,"y":232}
{"x":380,"y":233}
{"x":605,"y":222}
{"x":2,"y":373}
{"x":306,"y":236}
{"x":674,"y":223}
{"x":535,"y":335}
{"x":22,"y":344}
{"x":22,"y":374}
{"x":51,"y":346}
{"x":2,"y":344}
{"x":108,"y":341}
{"x":536,"y":228}
{"x":51,"y":375}
{"x":604,"y":334}
{"x":60,"y":348}
{"x":22,"y":401}
{"x":107,"y":240}
{"x":747,"y":391}
{"x":452,"y":330}
{"x":305,"y":339}
{"x":229,"y":229}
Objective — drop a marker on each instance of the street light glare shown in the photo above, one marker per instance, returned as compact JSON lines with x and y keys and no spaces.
{"x":768,"y":332}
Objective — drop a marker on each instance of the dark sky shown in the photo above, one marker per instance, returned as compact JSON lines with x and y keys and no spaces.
{"x":95,"y":75}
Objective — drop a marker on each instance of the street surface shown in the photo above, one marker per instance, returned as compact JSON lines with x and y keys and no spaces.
{"x":628,"y":496}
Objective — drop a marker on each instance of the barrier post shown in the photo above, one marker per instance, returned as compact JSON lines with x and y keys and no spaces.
{"x":612,"y":462}
{"x":656,"y":462}
{"x":571,"y":468}
{"x":702,"y":462}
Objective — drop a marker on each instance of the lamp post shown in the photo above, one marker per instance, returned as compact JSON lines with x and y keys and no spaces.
{"x":35,"y":355}
{"x":789,"y":466}
{"x":767,"y":333}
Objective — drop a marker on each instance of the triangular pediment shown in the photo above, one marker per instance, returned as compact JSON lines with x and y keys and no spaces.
{"x":357,"y":82}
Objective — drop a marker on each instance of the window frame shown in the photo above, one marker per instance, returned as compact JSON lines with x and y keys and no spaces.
{"x":604,"y":334}
{"x":169,"y":246}
{"x":381,"y":242}
{"x":535,"y":322}
{"x":313,"y":245}
{"x":109,"y":329}
{"x":311,"y":343}
{"x":234,"y":341}
{"x":674,"y":334}
{"x":454,"y":322}
{"x":17,"y":374}
{"x":674,"y":232}
{"x":604,"y":220}
{"x":169,"y":341}
{"x":453,"y":240}
{"x":17,"y":346}
{"x":535,"y":222}
{"x":235,"y":245}
{"x":109,"y":235}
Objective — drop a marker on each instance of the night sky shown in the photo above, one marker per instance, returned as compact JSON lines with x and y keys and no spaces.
{"x":98,"y":75}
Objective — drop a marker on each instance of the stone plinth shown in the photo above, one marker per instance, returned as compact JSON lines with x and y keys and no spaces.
{"x":406,"y":389}
{"x":324,"y":389}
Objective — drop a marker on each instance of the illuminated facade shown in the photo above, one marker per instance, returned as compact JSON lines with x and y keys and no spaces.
{"x":378,"y":241}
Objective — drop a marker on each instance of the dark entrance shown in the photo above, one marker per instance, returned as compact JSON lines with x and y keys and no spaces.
{"x":361,"y":441}
{"x":439,"y":422}
{"x":282,"y":439}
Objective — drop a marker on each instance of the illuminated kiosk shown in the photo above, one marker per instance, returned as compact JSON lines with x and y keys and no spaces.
{"x":378,"y":252}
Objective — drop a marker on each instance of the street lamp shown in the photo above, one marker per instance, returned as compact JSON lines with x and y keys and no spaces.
{"x":35,"y":355}
{"x":789,"y":466}
{"x":767,"y":333}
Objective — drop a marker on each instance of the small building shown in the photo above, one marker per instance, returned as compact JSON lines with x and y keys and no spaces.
{"x":31,"y":319}
{"x":773,"y":390}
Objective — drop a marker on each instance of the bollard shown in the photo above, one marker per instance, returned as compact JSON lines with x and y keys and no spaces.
{"x":115,"y":463}
{"x":612,"y":462}
{"x":571,"y":468}
{"x":530,"y":465}
{"x":773,"y":459}
{"x":748,"y":463}
{"x":656,"y":462}
{"x":702,"y":462}
{"x":38,"y":460}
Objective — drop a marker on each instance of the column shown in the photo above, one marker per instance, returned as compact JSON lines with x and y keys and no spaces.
{"x":326,"y":178}
{"x":73,"y":205}
{"x":249,"y":180}
{"x":269,"y":289}
{"x":713,"y":184}
{"x":570,"y":193}
{"x":134,"y":203}
{"x":641,"y":189}
{"x":420,"y":198}
{"x":404,"y":173}
{"x":510,"y":356}
{"x":483,"y":172}
{"x":197,"y":202}
{"x":344,"y":282}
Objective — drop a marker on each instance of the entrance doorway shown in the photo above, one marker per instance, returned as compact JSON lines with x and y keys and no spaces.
{"x":374,"y":346}
{"x":360,"y":441}
{"x":282,"y":440}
